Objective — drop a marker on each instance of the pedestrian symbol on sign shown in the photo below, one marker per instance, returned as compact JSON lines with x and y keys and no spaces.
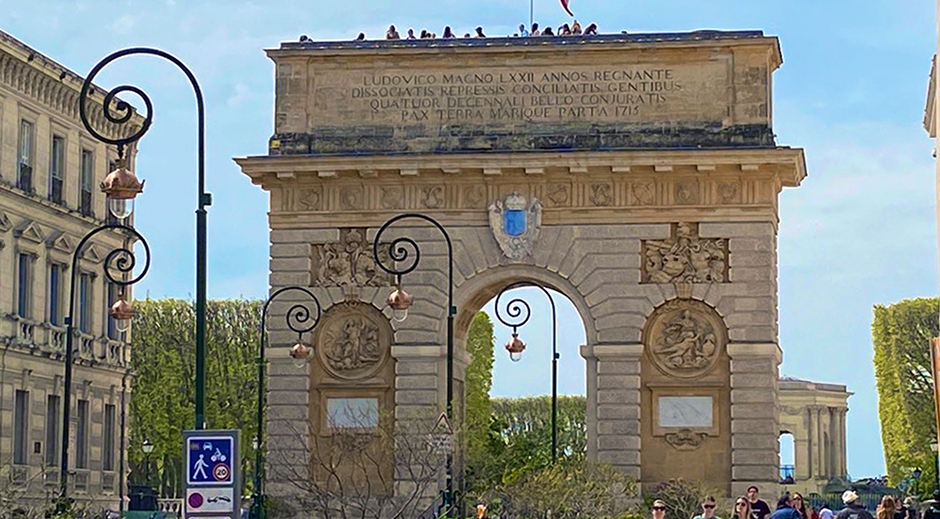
{"x":200,"y":472}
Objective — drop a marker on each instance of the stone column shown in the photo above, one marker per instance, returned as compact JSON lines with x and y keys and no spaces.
{"x":616,"y":408}
{"x":755,"y":457}
{"x":820,"y":442}
{"x":418,"y":370}
{"x":843,"y":462}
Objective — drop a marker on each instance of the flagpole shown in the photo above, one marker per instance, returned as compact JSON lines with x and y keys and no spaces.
{"x":531,"y":13}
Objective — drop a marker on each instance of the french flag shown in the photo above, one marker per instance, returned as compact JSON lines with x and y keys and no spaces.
{"x":564,"y":3}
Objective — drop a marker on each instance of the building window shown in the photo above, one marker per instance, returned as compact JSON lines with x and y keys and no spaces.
{"x":20,"y":427}
{"x":24,"y":175}
{"x":52,"y":430}
{"x":55,"y":293}
{"x":56,"y":169}
{"x":81,"y":436}
{"x":84,"y":302}
{"x":107,"y":458}
{"x":86,"y":199}
{"x":23,"y":287}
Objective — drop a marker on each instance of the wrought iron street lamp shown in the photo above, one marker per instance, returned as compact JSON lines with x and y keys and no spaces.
{"x":147,"y":447}
{"x":399,"y":251}
{"x":117,"y":265}
{"x":300,"y":319}
{"x":121,"y":195}
{"x":519,"y":312}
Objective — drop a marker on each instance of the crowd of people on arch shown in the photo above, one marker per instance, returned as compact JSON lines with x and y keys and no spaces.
{"x":794,"y":506}
{"x":564,"y":30}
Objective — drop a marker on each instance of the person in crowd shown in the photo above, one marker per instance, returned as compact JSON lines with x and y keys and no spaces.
{"x":591,"y":30}
{"x":853,"y":509}
{"x":548,"y":32}
{"x":742,"y":507}
{"x":910,"y":507}
{"x":899,"y":511}
{"x":466,"y":35}
{"x":564,"y":30}
{"x":824,"y":511}
{"x":411,"y":34}
{"x":425,"y":34}
{"x":392,"y":33}
{"x":448,"y":34}
{"x":811,"y":511}
{"x":659,"y":509}
{"x":759,"y":507}
{"x":887,"y":508}
{"x":361,"y":37}
{"x":932,"y":510}
{"x":708,"y":509}
{"x":535,"y":29}
{"x":479,"y":33}
{"x":785,"y":509}
{"x":576,"y":28}
{"x":799,"y":504}
{"x":522,"y":30}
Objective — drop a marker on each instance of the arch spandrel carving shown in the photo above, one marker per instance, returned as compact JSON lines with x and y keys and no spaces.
{"x":353,"y":342}
{"x":685,"y":338}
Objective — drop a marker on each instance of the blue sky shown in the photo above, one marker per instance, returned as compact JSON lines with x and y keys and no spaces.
{"x":860,"y":231}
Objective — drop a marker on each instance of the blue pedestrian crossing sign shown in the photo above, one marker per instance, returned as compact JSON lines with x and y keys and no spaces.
{"x":209,"y":460}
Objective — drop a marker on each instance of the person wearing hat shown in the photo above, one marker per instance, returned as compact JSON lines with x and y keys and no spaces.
{"x":853,"y":509}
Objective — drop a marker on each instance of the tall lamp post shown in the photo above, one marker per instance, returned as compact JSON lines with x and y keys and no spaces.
{"x":518,"y":310}
{"x":117,"y":264}
{"x":399,"y":251}
{"x":147,"y":447}
{"x":301,"y":319}
{"x":119,"y":113}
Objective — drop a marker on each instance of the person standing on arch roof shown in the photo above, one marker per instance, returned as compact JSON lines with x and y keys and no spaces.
{"x":759,"y":508}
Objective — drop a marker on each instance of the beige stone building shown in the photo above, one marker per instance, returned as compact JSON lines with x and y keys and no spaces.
{"x":637,"y":174}
{"x":50,"y":169}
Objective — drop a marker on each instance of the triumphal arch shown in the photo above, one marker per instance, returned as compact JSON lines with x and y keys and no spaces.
{"x":636,"y":174}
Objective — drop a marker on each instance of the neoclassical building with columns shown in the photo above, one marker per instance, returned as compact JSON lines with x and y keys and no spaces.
{"x":638,"y":175}
{"x":50,"y":170}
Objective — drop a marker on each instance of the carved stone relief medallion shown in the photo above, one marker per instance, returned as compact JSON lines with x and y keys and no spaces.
{"x":643,"y":193}
{"x":348,"y":262}
{"x":685,"y":440}
{"x":350,"y":197}
{"x":474,"y":196}
{"x":685,"y":258}
{"x":433,"y":197}
{"x":684,"y":338}
{"x":352,"y":342}
{"x":728,"y":192}
{"x":516,"y":223}
{"x":601,"y":194}
{"x":391,"y":197}
{"x":558,"y":195}
{"x":687,"y":193}
{"x":308,"y":199}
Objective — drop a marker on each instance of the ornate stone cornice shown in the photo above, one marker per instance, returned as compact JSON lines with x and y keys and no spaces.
{"x":41,"y":79}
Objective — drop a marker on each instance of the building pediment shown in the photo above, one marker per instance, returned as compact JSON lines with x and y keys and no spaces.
{"x":30,"y":231}
{"x":61,"y":242}
{"x":93,"y":253}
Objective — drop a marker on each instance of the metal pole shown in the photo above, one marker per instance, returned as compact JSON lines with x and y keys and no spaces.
{"x":204,"y":198}
{"x":297,"y":317}
{"x":123,"y":260}
{"x":398,"y":254}
{"x":531,"y":13}
{"x":515,"y":311}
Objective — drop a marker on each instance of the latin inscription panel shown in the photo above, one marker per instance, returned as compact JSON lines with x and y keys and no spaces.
{"x":508,"y":96}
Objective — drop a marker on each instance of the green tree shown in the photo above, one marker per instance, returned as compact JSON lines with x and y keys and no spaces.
{"x":901,"y":335}
{"x":479,"y":381}
{"x":162,"y":403}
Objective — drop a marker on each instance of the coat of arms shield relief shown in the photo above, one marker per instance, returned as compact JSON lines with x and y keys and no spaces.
{"x":516,"y":223}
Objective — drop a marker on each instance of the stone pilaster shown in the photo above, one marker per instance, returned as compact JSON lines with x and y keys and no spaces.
{"x":754,"y":422}
{"x":614,"y":412}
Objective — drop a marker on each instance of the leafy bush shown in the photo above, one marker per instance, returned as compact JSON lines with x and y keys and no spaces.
{"x":567,"y":490}
{"x":683,"y":498}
